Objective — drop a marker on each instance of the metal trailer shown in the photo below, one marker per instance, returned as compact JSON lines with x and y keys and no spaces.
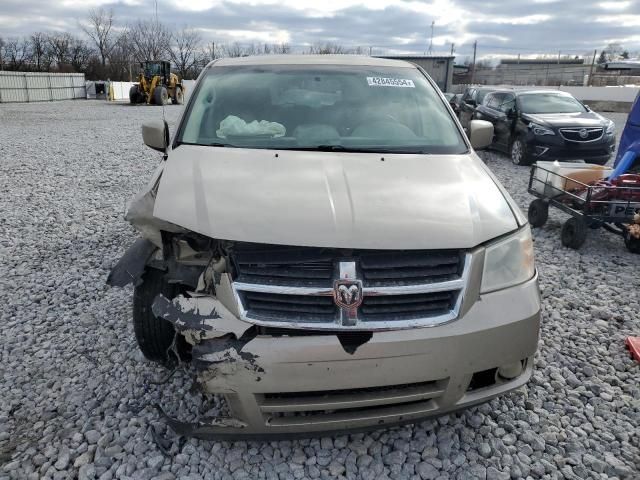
{"x":612,"y":207}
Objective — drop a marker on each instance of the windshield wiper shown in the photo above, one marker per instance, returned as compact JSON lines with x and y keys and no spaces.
{"x":342,"y":148}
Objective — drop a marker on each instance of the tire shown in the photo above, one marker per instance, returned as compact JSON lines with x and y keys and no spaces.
{"x":538,"y":213}
{"x":134,"y":94}
{"x":632,"y":244}
{"x":519,"y":155}
{"x":574,"y":233}
{"x":178,"y":98}
{"x":160,"y":96}
{"x":154,"y":335}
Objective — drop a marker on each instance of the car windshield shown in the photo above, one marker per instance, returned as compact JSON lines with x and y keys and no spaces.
{"x":481,"y":94}
{"x":308,"y":107}
{"x":549,"y":103}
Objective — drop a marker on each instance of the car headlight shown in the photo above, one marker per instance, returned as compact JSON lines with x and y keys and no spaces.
{"x":540,"y":130}
{"x":611,"y":128}
{"x":508,"y":261}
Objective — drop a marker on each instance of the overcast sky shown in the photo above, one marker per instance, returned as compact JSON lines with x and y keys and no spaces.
{"x":403,"y":26}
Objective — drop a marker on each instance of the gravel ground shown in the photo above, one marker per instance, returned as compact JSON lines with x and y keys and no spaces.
{"x":76,"y":393}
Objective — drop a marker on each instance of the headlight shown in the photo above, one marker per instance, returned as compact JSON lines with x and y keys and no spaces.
{"x":540,"y":130}
{"x":611,"y":128}
{"x":508,"y":262}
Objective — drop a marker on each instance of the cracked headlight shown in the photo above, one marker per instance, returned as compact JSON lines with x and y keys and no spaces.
{"x":540,"y":130}
{"x":611,"y":128}
{"x":508,"y":261}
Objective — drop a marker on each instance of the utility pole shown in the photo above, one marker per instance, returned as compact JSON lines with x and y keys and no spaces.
{"x":452,"y":47}
{"x":430,"y":51}
{"x":213,"y":50}
{"x":473,"y":70}
{"x":593,"y":63}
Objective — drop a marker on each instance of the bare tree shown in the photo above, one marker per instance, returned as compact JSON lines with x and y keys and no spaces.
{"x":59,"y":46}
{"x":233,"y":50}
{"x":16,"y":53}
{"x":79,"y":55}
{"x":38,"y":41}
{"x":2,"y":58}
{"x":99,"y":30}
{"x":150,"y":39}
{"x":326,"y":49}
{"x":184,"y":51}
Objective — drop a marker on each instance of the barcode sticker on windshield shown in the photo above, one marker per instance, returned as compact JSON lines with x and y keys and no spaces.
{"x":390,"y":82}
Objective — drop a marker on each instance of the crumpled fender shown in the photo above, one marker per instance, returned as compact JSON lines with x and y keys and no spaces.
{"x":131,"y":266}
{"x":199,"y":317}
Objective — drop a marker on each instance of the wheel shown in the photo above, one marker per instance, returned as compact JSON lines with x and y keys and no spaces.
{"x":632,"y":244}
{"x":134,"y":94}
{"x":574,"y":233}
{"x":538,"y":213}
{"x":160,"y":96}
{"x":519,"y":155}
{"x":154,"y":335}
{"x":178,"y":98}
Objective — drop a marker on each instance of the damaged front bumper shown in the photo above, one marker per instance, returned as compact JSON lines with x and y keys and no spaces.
{"x":290,"y":382}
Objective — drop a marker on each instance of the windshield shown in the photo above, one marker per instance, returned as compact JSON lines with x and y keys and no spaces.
{"x":481,"y":94}
{"x":305,"y":107}
{"x":549,"y":103}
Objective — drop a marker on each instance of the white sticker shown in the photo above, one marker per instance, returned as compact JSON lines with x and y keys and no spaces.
{"x":390,"y":82}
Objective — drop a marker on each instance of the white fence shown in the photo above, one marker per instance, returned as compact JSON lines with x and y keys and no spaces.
{"x":119,"y":91}
{"x":41,"y":87}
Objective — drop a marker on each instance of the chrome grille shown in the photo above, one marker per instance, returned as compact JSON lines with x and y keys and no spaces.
{"x":297,"y":287}
{"x":582,"y":134}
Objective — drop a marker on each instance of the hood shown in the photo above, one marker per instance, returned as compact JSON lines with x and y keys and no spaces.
{"x":578,"y":119}
{"x":329,"y":199}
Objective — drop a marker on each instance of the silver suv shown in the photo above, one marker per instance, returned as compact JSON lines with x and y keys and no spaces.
{"x":323,"y":245}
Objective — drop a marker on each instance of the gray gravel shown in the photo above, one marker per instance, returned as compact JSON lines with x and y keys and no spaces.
{"x":76,"y":395}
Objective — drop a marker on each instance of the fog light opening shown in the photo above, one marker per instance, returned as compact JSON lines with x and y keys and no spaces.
{"x":511,"y":370}
{"x":541,"y":150}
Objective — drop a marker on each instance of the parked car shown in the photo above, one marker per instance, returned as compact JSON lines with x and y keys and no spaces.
{"x":471,"y":98}
{"x":324,"y":246}
{"x":535,"y":125}
{"x":454,"y":101}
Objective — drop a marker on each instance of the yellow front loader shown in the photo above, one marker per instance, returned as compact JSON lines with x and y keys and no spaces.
{"x":156,"y":85}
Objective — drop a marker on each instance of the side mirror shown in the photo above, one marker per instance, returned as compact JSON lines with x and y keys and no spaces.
{"x":587,"y":107}
{"x":480,"y":134}
{"x":155,"y":134}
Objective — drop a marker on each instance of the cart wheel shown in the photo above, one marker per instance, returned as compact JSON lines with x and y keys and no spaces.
{"x":632,"y":244}
{"x":574,"y":233}
{"x":538,"y":213}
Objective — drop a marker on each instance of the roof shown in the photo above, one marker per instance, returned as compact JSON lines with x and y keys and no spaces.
{"x":548,"y":90}
{"x":542,"y":61}
{"x":622,"y":65}
{"x":418,"y":57}
{"x":358,"y":60}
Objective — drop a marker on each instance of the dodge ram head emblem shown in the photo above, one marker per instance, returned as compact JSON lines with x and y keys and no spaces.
{"x":583,"y":133}
{"x":347,"y":293}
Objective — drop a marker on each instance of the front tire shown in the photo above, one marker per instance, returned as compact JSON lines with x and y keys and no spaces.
{"x":178,"y":98}
{"x":632,"y":244}
{"x":160,"y":96}
{"x":519,"y":154}
{"x":154,"y":335}
{"x":538,"y":213}
{"x":134,"y":94}
{"x":574,"y":233}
